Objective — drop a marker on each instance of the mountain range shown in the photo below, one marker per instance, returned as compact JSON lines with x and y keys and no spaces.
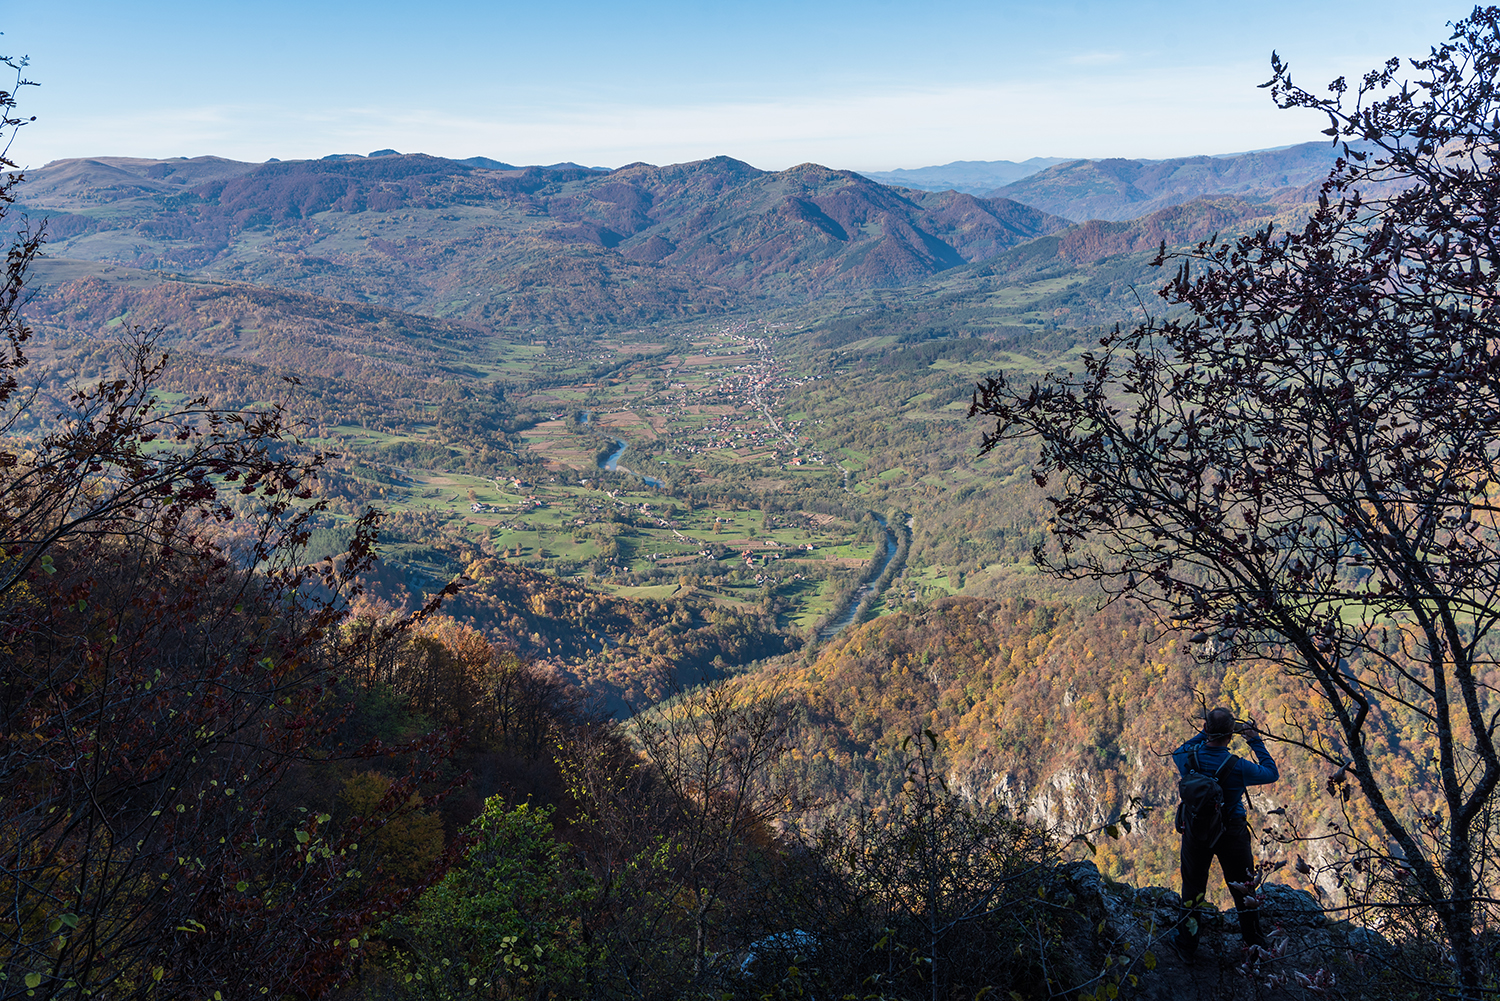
{"x":977,"y":177}
{"x":790,"y":351}
{"x":506,"y":246}
{"x":529,"y":247}
{"x":1117,"y":189}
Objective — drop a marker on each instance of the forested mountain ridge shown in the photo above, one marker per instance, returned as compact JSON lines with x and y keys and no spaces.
{"x":404,"y":292}
{"x":1117,"y":189}
{"x":976,"y":177}
{"x":444,"y":236}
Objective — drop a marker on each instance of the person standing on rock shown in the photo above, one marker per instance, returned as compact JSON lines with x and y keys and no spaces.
{"x":1208,"y":753}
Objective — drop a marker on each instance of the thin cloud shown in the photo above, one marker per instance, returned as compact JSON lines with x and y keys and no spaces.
{"x":1095,"y":58}
{"x":1150,"y":113}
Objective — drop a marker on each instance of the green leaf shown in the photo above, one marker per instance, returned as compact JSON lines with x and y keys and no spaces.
{"x":303,"y":837}
{"x":1148,"y":960}
{"x":242,"y":886}
{"x":1113,"y":832}
{"x":33,"y":979}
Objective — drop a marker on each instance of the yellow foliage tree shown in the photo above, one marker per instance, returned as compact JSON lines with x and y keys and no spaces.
{"x":405,"y":846}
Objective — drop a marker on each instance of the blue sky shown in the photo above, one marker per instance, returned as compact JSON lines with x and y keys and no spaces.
{"x":871,"y":85}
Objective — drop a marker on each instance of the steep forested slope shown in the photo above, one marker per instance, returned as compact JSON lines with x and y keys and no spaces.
{"x":1059,"y":711}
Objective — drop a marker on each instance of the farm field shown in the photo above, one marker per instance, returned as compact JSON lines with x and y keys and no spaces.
{"x":646,"y":482}
{"x":738,"y":462}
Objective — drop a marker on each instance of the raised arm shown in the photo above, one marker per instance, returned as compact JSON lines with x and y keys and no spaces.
{"x":1263,"y":771}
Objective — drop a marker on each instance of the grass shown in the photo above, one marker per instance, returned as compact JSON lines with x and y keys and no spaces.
{"x":685,"y":416}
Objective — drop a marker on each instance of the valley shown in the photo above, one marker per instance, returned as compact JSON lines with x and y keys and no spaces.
{"x":427,"y":575}
{"x":667,"y":425}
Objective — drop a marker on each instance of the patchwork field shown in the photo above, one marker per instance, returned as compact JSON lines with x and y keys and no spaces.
{"x":644,"y":483}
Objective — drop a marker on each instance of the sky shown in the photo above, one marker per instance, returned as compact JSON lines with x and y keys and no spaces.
{"x":873,"y":85}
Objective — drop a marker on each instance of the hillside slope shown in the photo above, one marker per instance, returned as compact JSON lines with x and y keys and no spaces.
{"x":1118,"y":189}
{"x":1054,"y":710}
{"x":448,"y":238}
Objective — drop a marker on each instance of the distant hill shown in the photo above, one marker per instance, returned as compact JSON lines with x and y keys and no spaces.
{"x":1118,"y":189}
{"x":1179,"y":225}
{"x":468,"y":239}
{"x":976,"y":177}
{"x":86,"y":181}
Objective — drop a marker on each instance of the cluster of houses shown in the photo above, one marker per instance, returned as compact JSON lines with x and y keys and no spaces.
{"x":754,"y":390}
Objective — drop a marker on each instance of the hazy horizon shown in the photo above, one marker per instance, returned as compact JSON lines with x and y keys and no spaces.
{"x":601,"y":166}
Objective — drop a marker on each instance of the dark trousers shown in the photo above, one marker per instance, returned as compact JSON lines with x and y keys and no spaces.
{"x":1238,"y":865}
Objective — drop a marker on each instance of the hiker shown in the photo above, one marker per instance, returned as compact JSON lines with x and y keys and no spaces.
{"x":1208,"y":754}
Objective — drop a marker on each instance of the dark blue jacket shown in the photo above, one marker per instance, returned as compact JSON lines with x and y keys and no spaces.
{"x":1236,"y":775}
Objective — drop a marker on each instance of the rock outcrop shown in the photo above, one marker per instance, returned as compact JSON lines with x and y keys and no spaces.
{"x":1309,"y":950}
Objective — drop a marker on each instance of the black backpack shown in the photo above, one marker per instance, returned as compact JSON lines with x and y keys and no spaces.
{"x":1200,"y":815}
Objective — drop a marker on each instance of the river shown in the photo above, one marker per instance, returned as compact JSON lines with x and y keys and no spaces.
{"x":612,"y":464}
{"x":864,"y":594}
{"x":866,"y":591}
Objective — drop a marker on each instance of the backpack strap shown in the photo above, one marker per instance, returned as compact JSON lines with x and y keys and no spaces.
{"x":1195,"y":766}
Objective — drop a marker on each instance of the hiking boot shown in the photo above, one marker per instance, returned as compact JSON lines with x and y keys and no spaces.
{"x":1250,"y":931}
{"x":1184,"y":950}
